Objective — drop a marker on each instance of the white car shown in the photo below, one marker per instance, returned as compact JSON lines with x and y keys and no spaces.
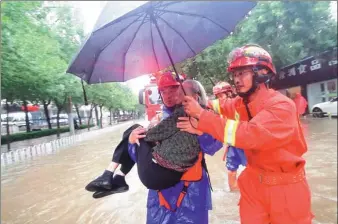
{"x":63,"y":119}
{"x":326,"y":108}
{"x":16,"y":118}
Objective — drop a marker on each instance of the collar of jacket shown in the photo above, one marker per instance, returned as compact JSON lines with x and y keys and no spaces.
{"x":167,"y":111}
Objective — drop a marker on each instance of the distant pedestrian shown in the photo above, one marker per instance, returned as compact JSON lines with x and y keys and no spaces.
{"x":301,"y":104}
{"x":76,"y":126}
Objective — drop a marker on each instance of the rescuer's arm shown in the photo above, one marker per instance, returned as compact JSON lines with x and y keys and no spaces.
{"x":270,"y":127}
{"x":209,"y":144}
{"x":223,"y":107}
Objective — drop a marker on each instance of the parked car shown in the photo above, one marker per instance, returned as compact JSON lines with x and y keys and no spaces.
{"x":16,"y":118}
{"x":325,"y":108}
{"x":63,"y":119}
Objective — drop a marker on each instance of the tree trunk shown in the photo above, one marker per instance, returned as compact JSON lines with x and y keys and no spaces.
{"x":90,"y":116}
{"x":117,"y":115}
{"x":71,"y":121}
{"x":45,"y":107}
{"x":28,"y":127}
{"x":58,"y":121}
{"x":101,"y":126}
{"x":7,"y":129}
{"x":97,"y":116}
{"x":78,"y":114}
{"x":110,"y":118}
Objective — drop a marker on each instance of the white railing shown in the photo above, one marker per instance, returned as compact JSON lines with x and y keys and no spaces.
{"x":51,"y":147}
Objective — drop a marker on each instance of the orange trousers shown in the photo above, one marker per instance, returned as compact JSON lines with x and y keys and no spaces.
{"x":273,"y":204}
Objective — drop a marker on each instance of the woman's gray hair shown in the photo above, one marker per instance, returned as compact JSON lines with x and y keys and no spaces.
{"x":197,"y":88}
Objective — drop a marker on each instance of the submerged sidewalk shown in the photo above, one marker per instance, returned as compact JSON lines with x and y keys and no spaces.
{"x":31,"y":142}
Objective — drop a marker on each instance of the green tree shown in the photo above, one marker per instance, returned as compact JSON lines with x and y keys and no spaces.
{"x":24,"y":64}
{"x":290,"y":31}
{"x":38,"y":41}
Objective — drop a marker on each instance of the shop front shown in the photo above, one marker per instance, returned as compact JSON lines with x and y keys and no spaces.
{"x":314,"y":77}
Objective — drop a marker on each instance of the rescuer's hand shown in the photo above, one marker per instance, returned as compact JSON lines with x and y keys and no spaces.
{"x":188,"y":126}
{"x":192,"y":107}
{"x":136,"y":134}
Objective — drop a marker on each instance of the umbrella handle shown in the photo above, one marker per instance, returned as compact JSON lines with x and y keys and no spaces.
{"x":152,"y":18}
{"x":212,"y":82}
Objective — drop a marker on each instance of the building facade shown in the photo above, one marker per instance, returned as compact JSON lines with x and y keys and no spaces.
{"x":314,"y":77}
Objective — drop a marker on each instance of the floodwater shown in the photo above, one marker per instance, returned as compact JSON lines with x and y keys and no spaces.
{"x":50,"y":189}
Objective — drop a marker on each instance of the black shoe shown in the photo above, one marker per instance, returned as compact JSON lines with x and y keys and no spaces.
{"x":103,"y":182}
{"x":119,"y":186}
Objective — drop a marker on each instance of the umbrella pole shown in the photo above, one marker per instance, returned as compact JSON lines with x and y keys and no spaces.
{"x":170,"y":58}
{"x":212,"y":82}
{"x":167,"y":50}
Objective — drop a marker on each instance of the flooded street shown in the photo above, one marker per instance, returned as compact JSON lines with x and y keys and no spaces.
{"x":50,"y":189}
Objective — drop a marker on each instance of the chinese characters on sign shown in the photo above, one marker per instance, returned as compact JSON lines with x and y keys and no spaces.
{"x":292,"y":71}
{"x":315,"y":65}
{"x":282,"y":75}
{"x":316,"y":68}
{"x":333,"y":62}
{"x":305,"y":67}
{"x":301,"y":69}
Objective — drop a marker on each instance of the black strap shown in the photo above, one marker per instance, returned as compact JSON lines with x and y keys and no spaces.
{"x":204,"y":165}
{"x":247,"y":107}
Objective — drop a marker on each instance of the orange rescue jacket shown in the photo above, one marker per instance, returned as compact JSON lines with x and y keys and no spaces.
{"x":215,"y":105}
{"x":194,"y":173}
{"x":272,"y":140}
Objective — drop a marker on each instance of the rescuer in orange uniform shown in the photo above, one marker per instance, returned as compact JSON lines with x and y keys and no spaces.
{"x":222,"y":91}
{"x":234,"y":157}
{"x":265,"y":124}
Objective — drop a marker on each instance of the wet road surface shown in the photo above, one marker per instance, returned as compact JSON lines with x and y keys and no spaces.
{"x":50,"y":189}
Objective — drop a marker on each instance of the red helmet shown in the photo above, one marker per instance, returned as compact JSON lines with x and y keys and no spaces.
{"x":222,"y":87}
{"x":250,"y":55}
{"x":167,"y":79}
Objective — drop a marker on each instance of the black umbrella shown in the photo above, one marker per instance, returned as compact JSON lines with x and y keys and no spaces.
{"x":154,"y":36}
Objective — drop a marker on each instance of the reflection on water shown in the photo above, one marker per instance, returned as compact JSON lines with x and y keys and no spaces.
{"x":50,"y":189}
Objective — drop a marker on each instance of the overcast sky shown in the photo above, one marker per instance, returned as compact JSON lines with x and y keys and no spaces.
{"x":91,"y":10}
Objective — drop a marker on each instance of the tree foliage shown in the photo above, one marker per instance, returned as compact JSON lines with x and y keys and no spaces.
{"x":289,"y":30}
{"x":38,"y":41}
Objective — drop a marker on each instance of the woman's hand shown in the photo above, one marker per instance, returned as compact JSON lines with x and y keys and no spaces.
{"x":154,"y":122}
{"x":187,"y":125}
{"x":192,"y":107}
{"x":136,"y":134}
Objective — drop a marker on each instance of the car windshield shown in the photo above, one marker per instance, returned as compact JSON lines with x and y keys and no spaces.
{"x":334,"y":99}
{"x":154,"y":98}
{"x":9,"y":119}
{"x":60,"y":116}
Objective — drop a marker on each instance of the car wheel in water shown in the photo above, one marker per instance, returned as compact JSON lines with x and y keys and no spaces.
{"x":317,"y":112}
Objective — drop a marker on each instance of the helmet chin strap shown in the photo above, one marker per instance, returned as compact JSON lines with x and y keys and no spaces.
{"x":256,"y":81}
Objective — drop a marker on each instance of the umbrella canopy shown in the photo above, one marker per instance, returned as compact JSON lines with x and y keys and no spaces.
{"x":154,"y":36}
